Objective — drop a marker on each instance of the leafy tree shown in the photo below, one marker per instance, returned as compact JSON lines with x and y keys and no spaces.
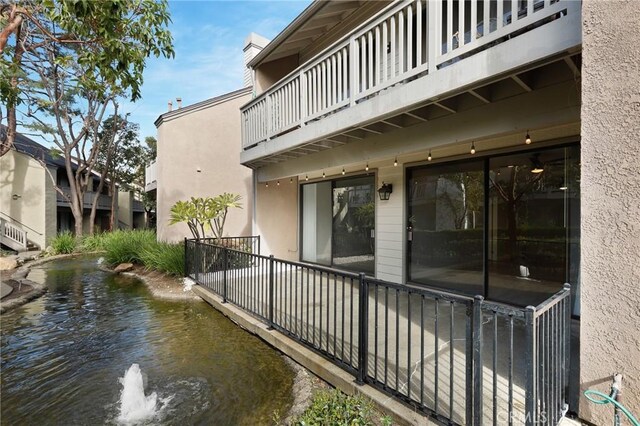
{"x":205,"y":214}
{"x":152,"y":148}
{"x":121,"y":161}
{"x":109,"y":40}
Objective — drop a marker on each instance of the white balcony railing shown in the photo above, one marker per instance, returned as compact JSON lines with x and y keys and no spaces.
{"x":151,"y":176}
{"x":407,"y":39}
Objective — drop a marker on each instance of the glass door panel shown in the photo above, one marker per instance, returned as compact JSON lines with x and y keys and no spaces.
{"x":446,"y":205}
{"x":353,"y":224}
{"x":533,"y":234}
{"x":316,"y":223}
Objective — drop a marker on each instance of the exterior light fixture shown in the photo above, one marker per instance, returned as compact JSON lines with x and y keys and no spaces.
{"x":537,"y":166}
{"x":343,"y":172}
{"x":267,"y":185}
{"x":429,"y":158}
{"x":290,"y":180}
{"x":278,"y":183}
{"x":385,"y":191}
{"x":395,"y":162}
{"x":366,"y":168}
{"x":473,"y":148}
{"x":527,"y":139}
{"x":537,"y":169}
{"x":15,"y":196}
{"x":323,"y":175}
{"x":306,"y":178}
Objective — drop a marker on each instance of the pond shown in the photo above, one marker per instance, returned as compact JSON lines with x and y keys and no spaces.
{"x":64,"y":356}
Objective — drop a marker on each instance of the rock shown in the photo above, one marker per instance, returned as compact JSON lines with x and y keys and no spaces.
{"x":7,"y":263}
{"x":123,"y":267}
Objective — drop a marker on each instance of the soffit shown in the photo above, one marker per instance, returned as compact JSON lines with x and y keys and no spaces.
{"x":315,"y":21}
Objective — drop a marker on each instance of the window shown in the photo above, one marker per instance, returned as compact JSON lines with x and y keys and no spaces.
{"x":338,"y":223}
{"x":505,"y":227}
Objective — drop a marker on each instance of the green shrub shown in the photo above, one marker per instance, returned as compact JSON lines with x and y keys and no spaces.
{"x":91,"y":243}
{"x":64,"y":243}
{"x":335,"y":408}
{"x":127,"y":246}
{"x":164,"y":257}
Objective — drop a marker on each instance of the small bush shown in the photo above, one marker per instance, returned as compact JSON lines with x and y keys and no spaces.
{"x":336,"y":408}
{"x":127,"y":246}
{"x":91,"y":243}
{"x":164,"y":257}
{"x":64,"y":243}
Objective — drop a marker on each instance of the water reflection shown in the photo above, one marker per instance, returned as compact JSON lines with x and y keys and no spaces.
{"x":62,"y":355}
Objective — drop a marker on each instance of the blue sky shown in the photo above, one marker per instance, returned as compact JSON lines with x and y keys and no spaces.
{"x":208,"y":40}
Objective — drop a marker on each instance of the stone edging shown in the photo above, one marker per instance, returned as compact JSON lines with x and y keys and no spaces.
{"x":20,"y":275}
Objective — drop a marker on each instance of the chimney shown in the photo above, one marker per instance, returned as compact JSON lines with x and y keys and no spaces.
{"x":253,"y":44}
{"x":170,"y":106}
{"x":179,"y":101}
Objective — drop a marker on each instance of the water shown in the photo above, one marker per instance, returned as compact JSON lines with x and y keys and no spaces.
{"x":67,"y":357}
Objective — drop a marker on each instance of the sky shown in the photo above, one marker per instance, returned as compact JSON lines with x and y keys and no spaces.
{"x":208,"y":40}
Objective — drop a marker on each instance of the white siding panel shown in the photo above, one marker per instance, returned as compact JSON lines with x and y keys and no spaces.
{"x":389,"y":227}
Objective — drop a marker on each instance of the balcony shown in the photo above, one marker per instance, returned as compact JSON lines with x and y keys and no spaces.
{"x":460,"y":359}
{"x":403,"y":64}
{"x":104,"y":201}
{"x":150,"y":177}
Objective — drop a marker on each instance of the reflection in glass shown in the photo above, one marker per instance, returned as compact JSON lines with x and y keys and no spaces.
{"x":533,"y":224}
{"x":446,"y":205}
{"x":353,"y":223}
{"x":338,"y":223}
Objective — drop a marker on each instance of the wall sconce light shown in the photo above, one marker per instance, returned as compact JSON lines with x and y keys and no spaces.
{"x":15,"y":196}
{"x":385,"y":191}
{"x":199,"y":170}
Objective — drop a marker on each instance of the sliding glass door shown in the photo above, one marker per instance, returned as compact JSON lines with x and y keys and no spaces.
{"x":446,"y":226}
{"x":505,"y":227}
{"x":338,"y":223}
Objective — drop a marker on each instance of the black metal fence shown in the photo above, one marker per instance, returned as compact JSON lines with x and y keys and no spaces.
{"x":462,"y":360}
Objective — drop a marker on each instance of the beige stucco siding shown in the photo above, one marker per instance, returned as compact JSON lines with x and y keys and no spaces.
{"x":610,"y":273}
{"x":277,"y":219}
{"x":27,"y":178}
{"x":199,"y":156}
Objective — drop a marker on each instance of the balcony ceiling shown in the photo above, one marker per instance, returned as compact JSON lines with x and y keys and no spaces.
{"x":550,"y":72}
{"x":315,"y":21}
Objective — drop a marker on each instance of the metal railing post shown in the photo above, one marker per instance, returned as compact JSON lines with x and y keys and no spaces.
{"x":363,"y":329}
{"x":271,"y":291}
{"x":530,"y":362}
{"x":225,"y":263}
{"x":186,"y":263}
{"x":567,"y":340}
{"x":477,"y":360}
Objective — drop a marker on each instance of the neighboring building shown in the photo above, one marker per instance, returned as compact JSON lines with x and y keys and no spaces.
{"x":505,"y":133}
{"x":199,"y":156}
{"x":30,"y":203}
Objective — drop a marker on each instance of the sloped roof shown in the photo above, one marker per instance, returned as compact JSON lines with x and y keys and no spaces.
{"x":35,"y":150}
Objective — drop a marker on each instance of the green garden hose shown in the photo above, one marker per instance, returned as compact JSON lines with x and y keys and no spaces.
{"x":606,"y":399}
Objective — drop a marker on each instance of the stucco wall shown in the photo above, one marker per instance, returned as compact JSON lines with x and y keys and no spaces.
{"x":25,"y":177}
{"x":199,"y":156}
{"x":610,"y":274}
{"x":277,"y":219}
{"x":125,"y":212}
